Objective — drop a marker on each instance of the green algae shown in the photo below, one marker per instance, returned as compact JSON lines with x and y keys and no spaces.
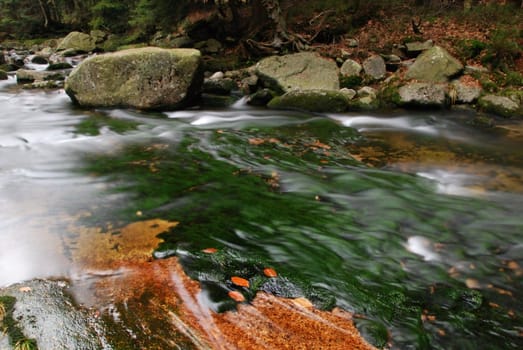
{"x":93,"y":123}
{"x":293,"y":198}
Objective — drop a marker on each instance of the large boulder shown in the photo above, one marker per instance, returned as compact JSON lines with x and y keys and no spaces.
{"x":435,"y":65}
{"x":143,"y":78}
{"x":422,"y":95}
{"x":303,"y":71}
{"x":464,"y":93}
{"x":500,"y":105}
{"x":79,"y":42}
{"x":312,"y":100}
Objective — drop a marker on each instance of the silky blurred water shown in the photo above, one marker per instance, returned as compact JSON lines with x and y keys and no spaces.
{"x":407,"y":202}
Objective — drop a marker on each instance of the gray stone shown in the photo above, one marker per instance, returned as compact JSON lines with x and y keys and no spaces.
{"x":98,"y":36}
{"x":219,"y":86}
{"x":422,"y":94}
{"x":499,"y":105}
{"x":367,"y":91}
{"x":80,"y":42}
{"x":311,"y":100}
{"x":260,"y":97}
{"x":143,"y":78}
{"x":374,"y":67}
{"x":475,"y":70}
{"x":249,"y":84}
{"x":349,"y":93}
{"x":462,"y":93}
{"x":24,"y":76}
{"x":350,"y":68}
{"x":416,"y":47}
{"x":352,"y":42}
{"x":45,"y":312}
{"x":435,"y":65}
{"x":304,"y":70}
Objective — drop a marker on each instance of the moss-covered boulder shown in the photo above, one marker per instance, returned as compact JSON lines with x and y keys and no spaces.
{"x":500,"y":105}
{"x":3,"y":75}
{"x":300,"y":71}
{"x":80,"y":42}
{"x":350,"y":68}
{"x":148,"y":78}
{"x":422,"y":95}
{"x":435,"y":65}
{"x":311,"y":100}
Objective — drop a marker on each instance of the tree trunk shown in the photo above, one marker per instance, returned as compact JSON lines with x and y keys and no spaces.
{"x":44,"y":13}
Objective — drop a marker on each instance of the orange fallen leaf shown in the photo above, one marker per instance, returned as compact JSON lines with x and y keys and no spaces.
{"x":303,"y":302}
{"x":472,"y":283}
{"x":240,"y":282}
{"x":270,"y":272}
{"x":256,"y":141}
{"x":236,"y":296}
{"x":210,"y":250}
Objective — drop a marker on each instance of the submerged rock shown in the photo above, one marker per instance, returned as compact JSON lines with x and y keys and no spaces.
{"x":304,"y":71}
{"x":435,"y":65}
{"x":312,"y":100}
{"x":143,"y":78}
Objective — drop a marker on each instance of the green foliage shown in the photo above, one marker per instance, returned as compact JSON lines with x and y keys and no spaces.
{"x":149,"y":16}
{"x":26,"y":344}
{"x":470,"y":48}
{"x":503,"y":49}
{"x":350,"y":82}
{"x":110,"y":15}
{"x":92,"y":125}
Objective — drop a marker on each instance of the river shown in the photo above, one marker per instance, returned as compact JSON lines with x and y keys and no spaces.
{"x":410,"y":220}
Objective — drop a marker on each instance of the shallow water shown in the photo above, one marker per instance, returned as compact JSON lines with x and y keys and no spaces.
{"x":411,"y":220}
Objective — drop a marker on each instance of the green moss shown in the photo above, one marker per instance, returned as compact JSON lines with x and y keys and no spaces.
{"x":311,"y":100}
{"x":470,"y":48}
{"x":17,"y":339}
{"x":350,"y":82}
{"x":389,"y":96}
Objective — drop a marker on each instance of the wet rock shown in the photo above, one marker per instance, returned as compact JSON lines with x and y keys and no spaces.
{"x":311,"y":100}
{"x":249,"y":85}
{"x":435,"y":65}
{"x":59,"y":66}
{"x":219,"y":86}
{"x":367,"y":99}
{"x":261,"y":97}
{"x":143,"y":78}
{"x":422,"y":94}
{"x":499,"y":105}
{"x":77,"y":42}
{"x":374,"y":67}
{"x":350,"y":68}
{"x":28,"y":76}
{"x":2,"y":57}
{"x":45,"y":312}
{"x":305,"y":71}
{"x":3,"y":75}
{"x":39,"y":60}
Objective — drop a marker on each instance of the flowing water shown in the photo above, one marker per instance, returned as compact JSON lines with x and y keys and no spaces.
{"x":410,"y":220}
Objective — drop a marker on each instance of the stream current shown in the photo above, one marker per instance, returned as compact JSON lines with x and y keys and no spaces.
{"x":410,"y":220}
